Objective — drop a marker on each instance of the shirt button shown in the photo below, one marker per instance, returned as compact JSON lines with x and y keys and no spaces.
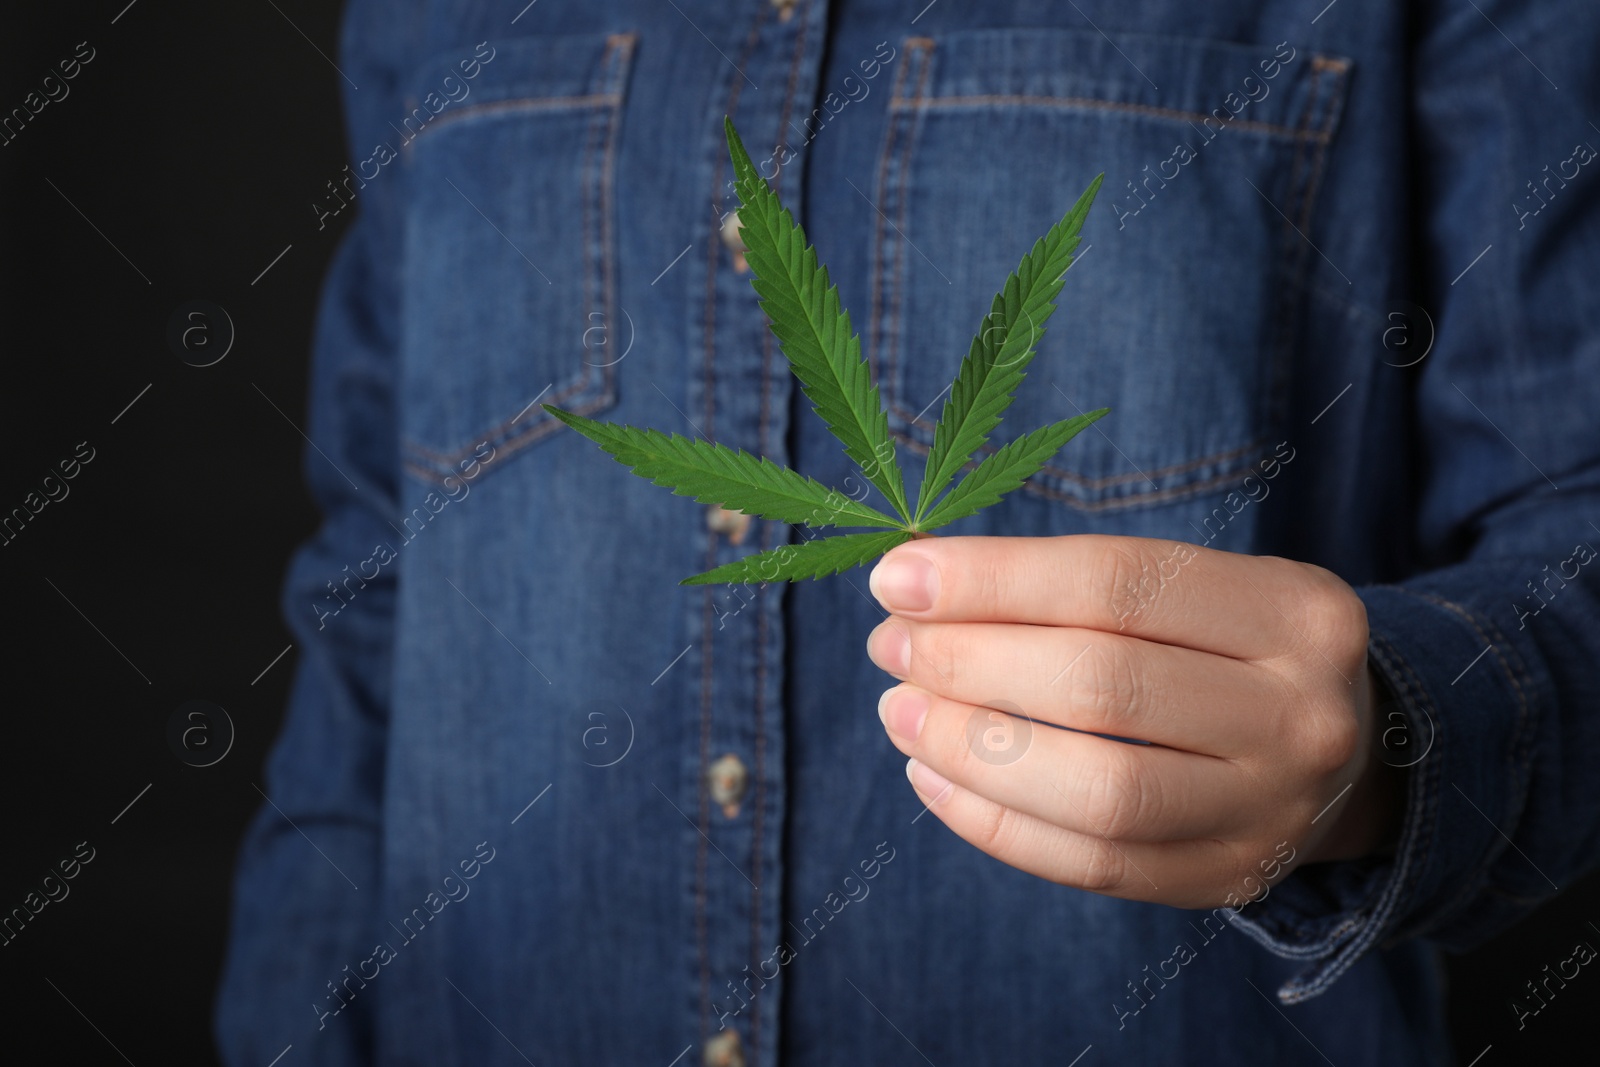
{"x":728,"y":780}
{"x":731,"y":238}
{"x":785,"y":9}
{"x":733,"y":523}
{"x":725,"y":1050}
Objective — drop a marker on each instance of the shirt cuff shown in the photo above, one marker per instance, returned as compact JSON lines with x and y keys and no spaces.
{"x":1430,"y":654}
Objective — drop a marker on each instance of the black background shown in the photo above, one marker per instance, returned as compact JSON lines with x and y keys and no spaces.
{"x":195,"y":142}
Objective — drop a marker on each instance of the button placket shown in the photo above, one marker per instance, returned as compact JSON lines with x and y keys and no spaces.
{"x":733,"y":523}
{"x":729,"y":780}
{"x":733,"y":242}
{"x":724,"y":1050}
{"x":739,"y":396}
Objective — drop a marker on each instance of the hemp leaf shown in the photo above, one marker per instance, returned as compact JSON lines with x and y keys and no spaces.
{"x":813,"y":330}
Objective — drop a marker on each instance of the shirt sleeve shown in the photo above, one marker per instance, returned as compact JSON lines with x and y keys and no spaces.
{"x":1490,"y":651}
{"x":307,"y":881}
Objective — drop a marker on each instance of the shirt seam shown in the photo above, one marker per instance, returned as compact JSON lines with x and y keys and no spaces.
{"x":1089,"y":103}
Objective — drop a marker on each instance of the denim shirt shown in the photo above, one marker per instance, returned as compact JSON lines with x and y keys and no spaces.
{"x":536,"y":802}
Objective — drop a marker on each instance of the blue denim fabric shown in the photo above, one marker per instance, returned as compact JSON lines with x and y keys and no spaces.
{"x":501,"y":827}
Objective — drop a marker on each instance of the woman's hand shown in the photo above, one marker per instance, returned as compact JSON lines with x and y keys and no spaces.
{"x":1246,"y":674}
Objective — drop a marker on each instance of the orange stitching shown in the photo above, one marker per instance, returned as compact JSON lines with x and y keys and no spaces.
{"x":510,"y":446}
{"x":623,"y":45}
{"x":1116,"y":503}
{"x":1334,"y":107}
{"x":1117,"y":479}
{"x":709,"y":377}
{"x":585,"y":195}
{"x":1472,"y":620}
{"x":524,"y":103}
{"x":1088,"y":103}
{"x":892,"y":361}
{"x":1300,"y":145}
{"x":758,"y":820}
{"x":449,"y":458}
{"x":537,"y":430}
{"x":1135,"y":500}
{"x":1525,"y":712}
{"x":1295,"y":190}
{"x":1284,"y":307}
{"x":883,"y":326}
{"x":1174,"y":468}
{"x":876,"y":326}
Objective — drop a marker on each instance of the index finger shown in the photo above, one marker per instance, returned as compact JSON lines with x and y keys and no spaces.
{"x":1167,"y":591}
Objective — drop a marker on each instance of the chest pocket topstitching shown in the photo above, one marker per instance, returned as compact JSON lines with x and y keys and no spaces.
{"x":509,"y":269}
{"x":1195,"y":372}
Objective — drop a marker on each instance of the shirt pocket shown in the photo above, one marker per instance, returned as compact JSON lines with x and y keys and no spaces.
{"x":508,"y":282}
{"x":1180,"y":311}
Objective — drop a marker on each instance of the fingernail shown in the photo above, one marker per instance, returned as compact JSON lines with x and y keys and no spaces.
{"x":890,"y":649}
{"x":929,"y":783}
{"x":903,"y":711}
{"x":907,"y":582}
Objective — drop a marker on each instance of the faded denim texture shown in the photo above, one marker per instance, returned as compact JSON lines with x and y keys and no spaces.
{"x":1232,"y":306}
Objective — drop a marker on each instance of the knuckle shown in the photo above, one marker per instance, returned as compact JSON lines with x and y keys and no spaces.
{"x":1128,"y":574}
{"x":1115,"y":801}
{"x":937,"y":650}
{"x":948,"y":743}
{"x":921,"y":641}
{"x":1101,"y":868}
{"x":973,"y":576}
{"x":1332,"y":741}
{"x":995,"y":829}
{"x":1334,"y":615}
{"x":1103,"y":685}
{"x":990,"y":739}
{"x":984,"y":578}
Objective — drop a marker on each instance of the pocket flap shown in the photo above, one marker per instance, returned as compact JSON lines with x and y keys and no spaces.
{"x":509,"y":243}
